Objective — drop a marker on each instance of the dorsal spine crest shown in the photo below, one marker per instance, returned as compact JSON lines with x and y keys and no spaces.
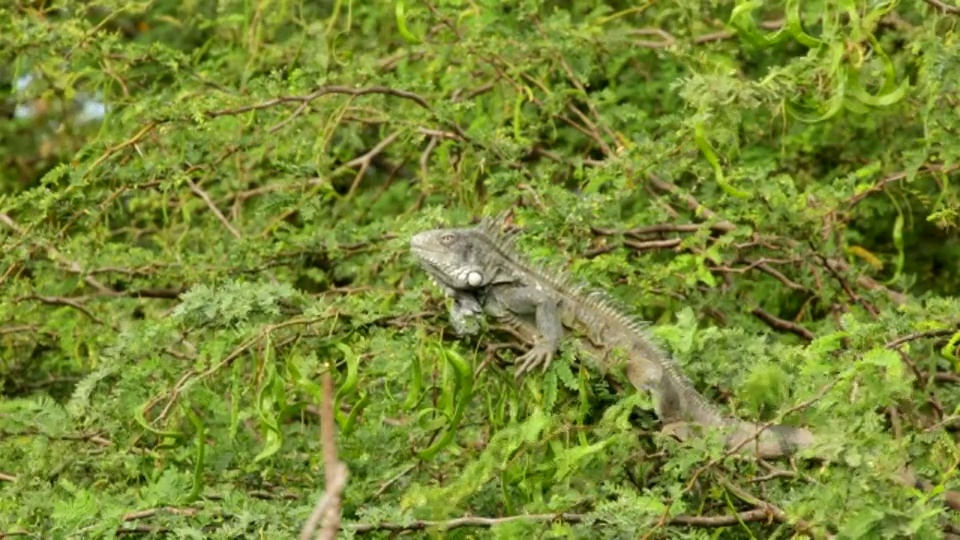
{"x":590,"y":304}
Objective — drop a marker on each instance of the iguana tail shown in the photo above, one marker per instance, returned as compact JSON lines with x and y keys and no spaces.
{"x":763,"y":441}
{"x":684,"y":411}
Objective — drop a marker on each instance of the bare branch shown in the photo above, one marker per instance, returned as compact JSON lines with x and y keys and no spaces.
{"x":782,"y":324}
{"x":319,"y":92}
{"x":476,"y":521}
{"x":943,"y":8}
{"x":213,"y":208}
{"x":327,"y":509}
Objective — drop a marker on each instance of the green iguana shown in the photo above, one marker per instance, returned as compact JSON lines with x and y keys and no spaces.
{"x":481,"y":271}
{"x":479,"y":268}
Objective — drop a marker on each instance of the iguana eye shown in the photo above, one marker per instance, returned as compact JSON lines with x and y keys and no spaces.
{"x":447,"y":238}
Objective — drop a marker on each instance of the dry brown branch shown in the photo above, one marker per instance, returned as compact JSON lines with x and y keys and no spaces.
{"x":638,"y":241}
{"x":142,"y":514}
{"x":174,"y":393}
{"x":366,"y":159}
{"x":425,"y":158}
{"x":94,"y":437}
{"x":327,"y":510}
{"x":599,"y":125}
{"x":789,"y":283}
{"x":652,"y":244}
{"x":213,"y":208}
{"x":116,"y":148}
{"x":268,"y":496}
{"x":438,"y":133}
{"x":775,"y":512}
{"x":61,"y":301}
{"x":947,"y":421}
{"x":757,"y":514}
{"x":727,"y":34}
{"x":832,"y":265}
{"x":665,"y":227}
{"x":664,"y":519}
{"x":476,"y":521}
{"x":667,"y":39}
{"x":651,"y":230}
{"x":692,"y":204}
{"x":919,"y":335}
{"x":946,"y":376}
{"x":18,"y":328}
{"x":782,"y":324}
{"x":320,"y":92}
{"x":54,"y":255}
{"x":773,"y":472}
{"x":835,"y":270}
{"x":942,"y":7}
{"x":599,"y":250}
{"x":460,"y":95}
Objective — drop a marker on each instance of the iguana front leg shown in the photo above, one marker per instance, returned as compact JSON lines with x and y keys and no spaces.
{"x":525,"y":302}
{"x":463,"y":313}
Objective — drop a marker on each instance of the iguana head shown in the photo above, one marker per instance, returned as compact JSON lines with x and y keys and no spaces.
{"x":458,"y":259}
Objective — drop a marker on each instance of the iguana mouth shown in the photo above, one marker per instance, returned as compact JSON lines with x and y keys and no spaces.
{"x":420,"y":243}
{"x":424,"y":251}
{"x":434,"y":268}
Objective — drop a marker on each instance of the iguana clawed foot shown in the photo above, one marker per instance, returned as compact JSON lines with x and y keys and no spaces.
{"x":540,"y":355}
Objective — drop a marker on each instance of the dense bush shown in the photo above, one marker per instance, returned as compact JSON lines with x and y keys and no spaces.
{"x":206,"y":204}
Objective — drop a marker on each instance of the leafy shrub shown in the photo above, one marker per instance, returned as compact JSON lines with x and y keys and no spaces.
{"x":772,"y":184}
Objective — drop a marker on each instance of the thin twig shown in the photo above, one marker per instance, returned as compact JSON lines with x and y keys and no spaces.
{"x":782,"y":324}
{"x":327,"y":509}
{"x":61,"y":301}
{"x":943,"y":8}
{"x":754,"y":515}
{"x":652,"y":244}
{"x":919,"y":335}
{"x":319,"y":92}
{"x":213,"y":208}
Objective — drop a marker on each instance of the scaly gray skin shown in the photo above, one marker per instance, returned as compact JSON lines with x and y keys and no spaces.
{"x":478,"y":268}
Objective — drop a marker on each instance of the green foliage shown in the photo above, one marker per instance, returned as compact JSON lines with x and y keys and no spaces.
{"x":772,"y":184}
